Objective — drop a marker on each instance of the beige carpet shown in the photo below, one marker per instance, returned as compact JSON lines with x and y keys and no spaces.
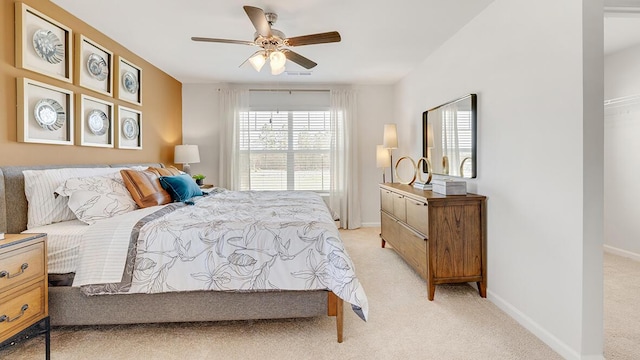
{"x":621,"y":310}
{"x":403,"y":325}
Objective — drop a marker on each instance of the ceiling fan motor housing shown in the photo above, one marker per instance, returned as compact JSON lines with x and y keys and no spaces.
{"x":275,"y":41}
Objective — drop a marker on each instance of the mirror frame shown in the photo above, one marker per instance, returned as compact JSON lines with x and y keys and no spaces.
{"x":425,"y":135}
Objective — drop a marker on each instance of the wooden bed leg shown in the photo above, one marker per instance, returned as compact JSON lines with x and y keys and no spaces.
{"x":332,"y":300}
{"x":335,"y":308}
{"x":339,"y":318}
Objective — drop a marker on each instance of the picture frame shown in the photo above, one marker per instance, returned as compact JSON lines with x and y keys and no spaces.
{"x":95,"y":122}
{"x":129,"y":81}
{"x":94,"y":66}
{"x":45,"y":113}
{"x":129,"y":128}
{"x":43,"y":45}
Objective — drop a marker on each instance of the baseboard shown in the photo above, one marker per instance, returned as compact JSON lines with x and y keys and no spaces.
{"x":556,"y":344}
{"x":371,"y":224}
{"x":621,"y":252}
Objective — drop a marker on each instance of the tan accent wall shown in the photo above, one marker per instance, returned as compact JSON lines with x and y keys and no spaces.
{"x":161,"y":101}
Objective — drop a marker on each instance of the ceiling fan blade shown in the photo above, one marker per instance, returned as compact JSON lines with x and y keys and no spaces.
{"x":322,"y":38}
{"x":259,"y":20}
{"x":226,"y":41}
{"x":299,"y":59}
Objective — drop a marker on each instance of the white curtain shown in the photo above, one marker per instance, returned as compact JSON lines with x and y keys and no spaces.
{"x":344,"y":197}
{"x":232,"y":103}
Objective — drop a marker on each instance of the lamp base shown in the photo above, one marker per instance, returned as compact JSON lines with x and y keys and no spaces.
{"x":391,"y":161}
{"x":186,"y":168}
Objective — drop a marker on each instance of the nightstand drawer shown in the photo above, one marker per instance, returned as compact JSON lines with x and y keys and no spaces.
{"x":21,"y":307}
{"x":21,"y":265}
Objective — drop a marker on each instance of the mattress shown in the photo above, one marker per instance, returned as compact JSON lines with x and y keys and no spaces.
{"x":63,"y":244}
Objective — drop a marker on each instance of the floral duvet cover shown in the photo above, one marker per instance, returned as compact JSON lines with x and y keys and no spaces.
{"x":233,"y":241}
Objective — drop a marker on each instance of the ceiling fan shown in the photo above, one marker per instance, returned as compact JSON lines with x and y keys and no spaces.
{"x":274,"y":43}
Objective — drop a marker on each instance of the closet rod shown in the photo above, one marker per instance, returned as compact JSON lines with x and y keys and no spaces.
{"x":622,"y":99}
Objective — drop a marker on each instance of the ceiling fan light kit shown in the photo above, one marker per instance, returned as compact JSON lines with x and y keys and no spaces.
{"x":274,"y":43}
{"x":258,"y":60}
{"x":277,"y":61}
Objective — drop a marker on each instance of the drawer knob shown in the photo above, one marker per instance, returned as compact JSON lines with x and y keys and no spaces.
{"x":6,"y":274}
{"x":8,"y":319}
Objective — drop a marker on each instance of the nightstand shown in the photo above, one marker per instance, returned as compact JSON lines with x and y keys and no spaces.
{"x":24,"y":306}
{"x":207,"y":188}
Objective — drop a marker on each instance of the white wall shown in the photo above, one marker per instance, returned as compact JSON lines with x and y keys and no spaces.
{"x":527,"y":62}
{"x":375,"y":108}
{"x":200,"y":126}
{"x":622,"y":163}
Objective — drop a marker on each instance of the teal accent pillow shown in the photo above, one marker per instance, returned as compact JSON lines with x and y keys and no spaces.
{"x":181,"y":187}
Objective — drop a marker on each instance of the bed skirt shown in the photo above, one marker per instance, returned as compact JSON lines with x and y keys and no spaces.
{"x":68,"y":306}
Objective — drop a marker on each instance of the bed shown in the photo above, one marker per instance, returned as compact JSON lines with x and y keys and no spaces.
{"x":143,"y":298}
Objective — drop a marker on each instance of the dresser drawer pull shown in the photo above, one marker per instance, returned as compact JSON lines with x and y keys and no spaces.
{"x":22,"y":310}
{"x":4,"y":273}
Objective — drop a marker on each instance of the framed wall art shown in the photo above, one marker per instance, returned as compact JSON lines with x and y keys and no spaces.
{"x":94,"y":66}
{"x":129,"y":128}
{"x":43,"y":45}
{"x":95,"y":122}
{"x":129,"y":81}
{"x":45,"y":113}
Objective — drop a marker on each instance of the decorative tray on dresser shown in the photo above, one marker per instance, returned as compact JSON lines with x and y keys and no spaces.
{"x":23,"y":289}
{"x":442,"y":237}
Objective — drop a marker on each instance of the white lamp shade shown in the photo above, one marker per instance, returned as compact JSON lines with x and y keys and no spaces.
{"x":185,"y":154}
{"x":382,"y":157}
{"x":258,"y":60}
{"x":277,"y":62}
{"x":277,"y":71}
{"x":390,"y":139}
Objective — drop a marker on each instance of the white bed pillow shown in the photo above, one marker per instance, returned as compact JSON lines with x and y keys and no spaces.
{"x":39,"y":187}
{"x":97,"y":197}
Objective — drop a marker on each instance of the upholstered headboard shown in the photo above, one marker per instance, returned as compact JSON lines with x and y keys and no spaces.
{"x":13,"y":202}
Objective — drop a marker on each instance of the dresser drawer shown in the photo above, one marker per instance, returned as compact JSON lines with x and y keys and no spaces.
{"x":418,"y":215}
{"x":386,"y":200}
{"x":407,"y":243}
{"x":31,"y":298}
{"x":21,"y":265}
{"x":399,"y":207}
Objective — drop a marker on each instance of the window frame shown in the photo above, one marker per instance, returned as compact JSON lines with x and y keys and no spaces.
{"x":290,"y":151}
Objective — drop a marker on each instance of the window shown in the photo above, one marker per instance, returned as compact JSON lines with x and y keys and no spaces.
{"x":457,"y":133}
{"x":285,"y":150}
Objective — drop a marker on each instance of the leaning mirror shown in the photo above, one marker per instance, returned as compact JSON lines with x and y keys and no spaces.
{"x":449,"y":137}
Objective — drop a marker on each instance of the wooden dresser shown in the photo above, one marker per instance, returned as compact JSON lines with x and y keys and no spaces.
{"x":23,"y":288}
{"x":443,"y":238}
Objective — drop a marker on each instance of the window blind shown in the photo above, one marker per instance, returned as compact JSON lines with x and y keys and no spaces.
{"x":285,"y":150}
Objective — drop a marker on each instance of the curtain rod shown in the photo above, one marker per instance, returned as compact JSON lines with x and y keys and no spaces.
{"x":289,"y":90}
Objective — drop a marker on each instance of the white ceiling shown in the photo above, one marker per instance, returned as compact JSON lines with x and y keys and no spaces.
{"x":381,"y":40}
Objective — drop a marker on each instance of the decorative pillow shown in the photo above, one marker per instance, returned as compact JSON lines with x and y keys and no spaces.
{"x":98,"y":197}
{"x":145,"y":188}
{"x":181,"y":187}
{"x":168,"y":171}
{"x":39,"y":187}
